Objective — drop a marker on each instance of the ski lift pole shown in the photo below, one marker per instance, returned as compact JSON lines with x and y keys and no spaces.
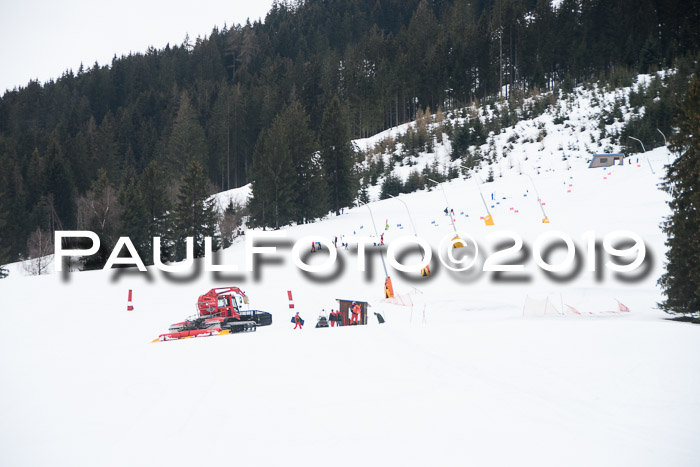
{"x":668,"y":160}
{"x":447,"y":201}
{"x":426,"y":270}
{"x":640,"y":142}
{"x":413,"y":226}
{"x":388,"y":288}
{"x":488,"y":220}
{"x":456,"y":241}
{"x":545,"y":220}
{"x":662,"y":134}
{"x":644,"y":150}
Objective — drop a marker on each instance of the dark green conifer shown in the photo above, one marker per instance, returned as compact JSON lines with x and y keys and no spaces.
{"x":338,"y":157}
{"x":195,"y":215}
{"x":681,"y":282}
{"x":152,"y":189}
{"x":4,"y":243}
{"x":272,"y":204}
{"x":134,"y":220}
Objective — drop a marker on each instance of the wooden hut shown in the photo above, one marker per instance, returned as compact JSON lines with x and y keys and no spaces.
{"x":606,"y":160}
{"x":344,"y":308}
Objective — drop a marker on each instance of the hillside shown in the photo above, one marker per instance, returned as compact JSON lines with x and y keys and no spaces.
{"x":212,"y":100}
{"x":555,"y":132}
{"x":456,"y":373}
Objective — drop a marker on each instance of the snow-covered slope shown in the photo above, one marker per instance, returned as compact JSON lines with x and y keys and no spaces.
{"x":457,"y":375}
{"x":569,"y":129}
{"x":237,"y":196}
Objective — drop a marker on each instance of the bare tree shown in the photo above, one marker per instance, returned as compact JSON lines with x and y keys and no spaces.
{"x":40,"y":246}
{"x":99,"y":210}
{"x":230,"y":219}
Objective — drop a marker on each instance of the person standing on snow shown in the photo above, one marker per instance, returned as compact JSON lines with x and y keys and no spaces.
{"x":298,"y":322}
{"x":338,"y":318}
{"x":355,"y":310}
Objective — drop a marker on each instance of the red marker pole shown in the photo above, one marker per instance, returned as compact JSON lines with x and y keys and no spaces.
{"x":130,"y":307}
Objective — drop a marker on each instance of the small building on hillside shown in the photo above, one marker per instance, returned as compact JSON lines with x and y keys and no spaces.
{"x":606,"y":160}
{"x":344,"y":308}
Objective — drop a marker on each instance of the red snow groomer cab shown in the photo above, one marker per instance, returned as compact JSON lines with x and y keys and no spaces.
{"x":219,"y":311}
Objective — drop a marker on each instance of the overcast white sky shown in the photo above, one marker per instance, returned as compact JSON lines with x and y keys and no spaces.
{"x":40,"y":39}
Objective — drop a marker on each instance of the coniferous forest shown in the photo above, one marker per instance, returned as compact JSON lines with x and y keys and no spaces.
{"x":128,"y":148}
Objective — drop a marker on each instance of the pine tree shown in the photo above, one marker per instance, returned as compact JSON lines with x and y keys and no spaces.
{"x":60,"y":183}
{"x":310,"y":185}
{"x":272,"y":204}
{"x":649,"y":56}
{"x":156,"y":205}
{"x":105,"y":148}
{"x":135,"y":220}
{"x":338,"y":157}
{"x":187,"y":141}
{"x":221,"y":146}
{"x":489,"y":177}
{"x":681,"y":282}
{"x":4,"y":243}
{"x":364,"y":195}
{"x":392,"y":185}
{"x":13,"y":201}
{"x":414,"y":182}
{"x":37,"y":175}
{"x":288,"y":181}
{"x":195,"y":215}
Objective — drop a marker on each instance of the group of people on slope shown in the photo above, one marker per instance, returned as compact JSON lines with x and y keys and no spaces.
{"x":335,"y":317}
{"x":316,"y":246}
